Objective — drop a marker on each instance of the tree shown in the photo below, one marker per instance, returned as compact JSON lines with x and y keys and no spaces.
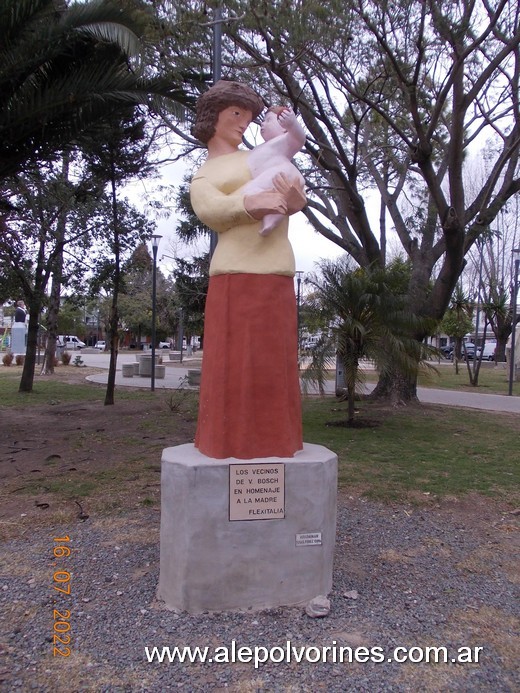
{"x":457,"y":321}
{"x":394,"y":96}
{"x":135,"y":305}
{"x":191,"y":287}
{"x":488,"y":274}
{"x":63,"y":72}
{"x":118,"y":156}
{"x":46,"y":215}
{"x":367,"y":319}
{"x":64,"y":69}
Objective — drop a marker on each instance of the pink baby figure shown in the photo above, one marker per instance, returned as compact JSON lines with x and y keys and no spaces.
{"x":270,"y":162}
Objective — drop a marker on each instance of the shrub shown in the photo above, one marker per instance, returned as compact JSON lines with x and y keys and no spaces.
{"x":65,"y":357}
{"x":7,"y":359}
{"x":19,"y":360}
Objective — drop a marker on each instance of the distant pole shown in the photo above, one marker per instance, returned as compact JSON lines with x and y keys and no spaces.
{"x":217,"y":72}
{"x":180,"y":336}
{"x":480,"y":246}
{"x":516,"y":264}
{"x":155,"y":246}
{"x":298,"y":300}
{"x":217,"y":45}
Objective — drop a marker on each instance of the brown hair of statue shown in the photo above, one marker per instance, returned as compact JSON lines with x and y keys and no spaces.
{"x":218,"y":97}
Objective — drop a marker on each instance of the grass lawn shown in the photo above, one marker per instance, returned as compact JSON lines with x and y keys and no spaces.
{"x":50,"y":389}
{"x":407,"y":453}
{"x":492,"y":379}
{"x":419,"y":450}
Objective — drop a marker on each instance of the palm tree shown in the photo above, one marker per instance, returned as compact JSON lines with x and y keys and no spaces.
{"x":458,"y":321}
{"x":63,"y":69}
{"x":367,"y":319}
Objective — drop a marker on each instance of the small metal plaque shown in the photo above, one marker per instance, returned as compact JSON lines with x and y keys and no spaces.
{"x":256,"y":491}
{"x":308,"y":539}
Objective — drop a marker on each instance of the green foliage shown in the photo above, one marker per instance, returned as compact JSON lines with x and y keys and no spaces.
{"x":457,"y":321}
{"x":135,"y":301}
{"x":63,"y":69}
{"x":190,"y":228}
{"x":455,"y":325}
{"x":191,"y":287}
{"x":367,"y":319}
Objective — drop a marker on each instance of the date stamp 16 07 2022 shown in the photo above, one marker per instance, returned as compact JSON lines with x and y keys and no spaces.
{"x":61,"y":636}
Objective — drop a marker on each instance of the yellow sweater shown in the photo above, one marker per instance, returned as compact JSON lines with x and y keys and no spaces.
{"x":218,"y":202}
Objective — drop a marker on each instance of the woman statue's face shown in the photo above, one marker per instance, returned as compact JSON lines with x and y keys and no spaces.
{"x":232,"y":122}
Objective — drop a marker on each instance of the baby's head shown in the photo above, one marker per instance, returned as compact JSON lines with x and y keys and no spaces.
{"x":271,"y":126}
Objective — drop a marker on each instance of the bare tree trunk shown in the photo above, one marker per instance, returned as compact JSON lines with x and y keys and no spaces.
{"x":52,"y":318}
{"x":57,"y":278}
{"x":27,"y":379}
{"x":114,"y":312}
{"x":113,"y":340}
{"x":351,"y":399}
{"x":396,"y":388}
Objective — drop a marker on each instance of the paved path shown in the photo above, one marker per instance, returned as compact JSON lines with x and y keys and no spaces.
{"x":175,"y":373}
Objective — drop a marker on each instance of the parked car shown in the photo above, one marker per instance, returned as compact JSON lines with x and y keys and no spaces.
{"x":469,"y":349}
{"x":101,"y":345}
{"x":164,"y":345}
{"x":70,"y":341}
{"x":488,"y":354}
{"x":466,"y":346}
{"x":447,"y":351}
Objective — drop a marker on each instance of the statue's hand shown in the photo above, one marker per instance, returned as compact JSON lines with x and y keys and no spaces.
{"x":287,"y":118}
{"x":262,"y":203}
{"x":293,"y":193}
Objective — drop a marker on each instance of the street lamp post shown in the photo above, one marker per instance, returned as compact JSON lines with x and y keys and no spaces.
{"x":155,"y":246}
{"x":299,"y":274}
{"x":516,"y":264}
{"x":217,"y":73}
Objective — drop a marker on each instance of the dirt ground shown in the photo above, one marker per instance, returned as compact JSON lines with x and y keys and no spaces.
{"x":54,"y":462}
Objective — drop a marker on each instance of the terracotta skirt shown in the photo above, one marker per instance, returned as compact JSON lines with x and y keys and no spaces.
{"x":250,"y":392}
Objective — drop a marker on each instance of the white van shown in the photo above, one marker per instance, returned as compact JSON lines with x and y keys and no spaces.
{"x":489,"y":351}
{"x":70,"y":341}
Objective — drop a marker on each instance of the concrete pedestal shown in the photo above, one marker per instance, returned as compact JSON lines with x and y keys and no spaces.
{"x":160,"y":372}
{"x":211,"y":563}
{"x":145,"y":364}
{"x":194,"y":375}
{"x":128,"y":370}
{"x":19,"y":338}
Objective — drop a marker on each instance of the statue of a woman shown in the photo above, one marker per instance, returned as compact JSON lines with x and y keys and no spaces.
{"x":249,"y":394}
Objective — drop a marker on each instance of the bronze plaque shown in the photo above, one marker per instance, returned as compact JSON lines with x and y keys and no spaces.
{"x":257,"y":491}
